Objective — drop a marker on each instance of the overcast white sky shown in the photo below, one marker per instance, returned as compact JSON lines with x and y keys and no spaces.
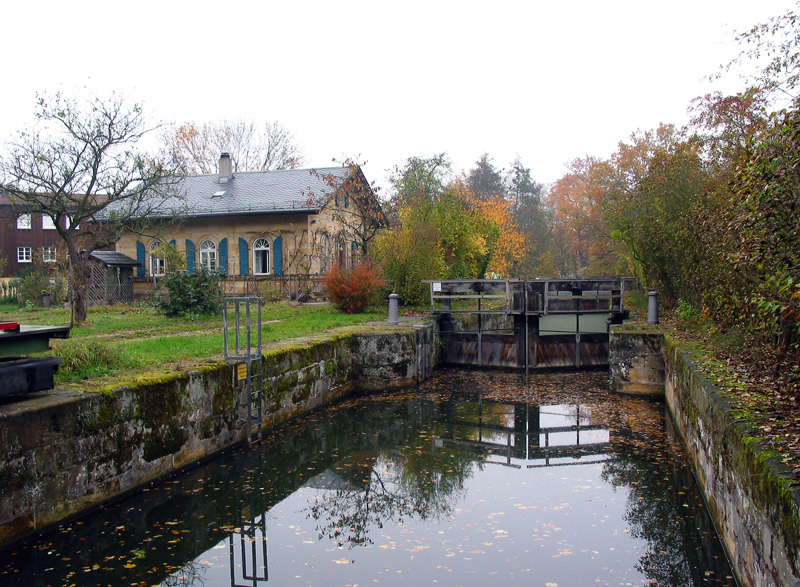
{"x":383,"y":81}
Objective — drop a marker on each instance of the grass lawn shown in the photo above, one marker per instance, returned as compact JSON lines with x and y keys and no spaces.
{"x":122,"y":343}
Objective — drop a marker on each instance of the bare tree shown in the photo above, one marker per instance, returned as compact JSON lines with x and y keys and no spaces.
{"x":252,"y":147}
{"x":353,"y":202}
{"x":79,"y":165}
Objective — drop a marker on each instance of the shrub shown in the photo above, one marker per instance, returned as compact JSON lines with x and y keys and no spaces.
{"x":352,"y":290}
{"x":35,"y":282}
{"x":687,"y":312}
{"x":191,"y":294}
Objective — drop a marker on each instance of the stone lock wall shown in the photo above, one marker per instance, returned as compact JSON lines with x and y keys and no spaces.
{"x":636,"y":361}
{"x":754,"y":505}
{"x":747,"y":489}
{"x":62,"y":453}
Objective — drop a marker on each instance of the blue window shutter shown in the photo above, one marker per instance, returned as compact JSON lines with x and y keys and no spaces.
{"x":140,"y":256}
{"x":243,"y":257}
{"x":277,"y":252}
{"x":172,"y":242}
{"x":223,"y":256}
{"x":189,"y":256}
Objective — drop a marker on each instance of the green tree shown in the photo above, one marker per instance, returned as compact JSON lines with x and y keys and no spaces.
{"x":440,"y":231}
{"x":765,"y":212}
{"x":531,"y":216}
{"x":777,"y":42}
{"x":485,"y":180}
{"x":419,"y":180}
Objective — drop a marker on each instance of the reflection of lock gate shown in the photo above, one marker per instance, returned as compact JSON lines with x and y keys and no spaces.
{"x":247,"y":354}
{"x":568,"y":438}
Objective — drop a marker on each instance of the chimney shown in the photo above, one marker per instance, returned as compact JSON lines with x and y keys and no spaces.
{"x":225,"y":167}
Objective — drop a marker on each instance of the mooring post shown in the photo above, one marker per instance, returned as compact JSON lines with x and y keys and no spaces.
{"x":394,"y":316}
{"x":652,"y":307}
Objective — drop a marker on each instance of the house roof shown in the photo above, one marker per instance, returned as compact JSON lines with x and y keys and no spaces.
{"x":114,"y":259}
{"x":288,"y":190}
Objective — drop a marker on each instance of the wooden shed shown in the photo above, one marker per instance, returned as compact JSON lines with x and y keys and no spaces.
{"x":112,"y":278}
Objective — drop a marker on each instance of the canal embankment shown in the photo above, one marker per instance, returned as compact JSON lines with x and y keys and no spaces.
{"x":66,"y":452}
{"x":749,"y":490}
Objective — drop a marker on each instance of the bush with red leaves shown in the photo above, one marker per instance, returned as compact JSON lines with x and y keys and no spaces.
{"x":352,"y":290}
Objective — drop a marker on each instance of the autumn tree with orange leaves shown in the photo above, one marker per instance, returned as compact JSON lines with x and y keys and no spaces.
{"x":582,"y":243}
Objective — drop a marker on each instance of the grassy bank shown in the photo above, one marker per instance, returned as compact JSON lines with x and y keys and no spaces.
{"x":122,"y":343}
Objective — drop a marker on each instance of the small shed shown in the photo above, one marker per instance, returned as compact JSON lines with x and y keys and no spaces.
{"x":112,"y":278}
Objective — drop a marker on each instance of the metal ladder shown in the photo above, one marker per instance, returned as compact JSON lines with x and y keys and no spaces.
{"x":248,"y":354}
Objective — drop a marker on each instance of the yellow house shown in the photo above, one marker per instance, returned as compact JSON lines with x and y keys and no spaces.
{"x":276,"y":231}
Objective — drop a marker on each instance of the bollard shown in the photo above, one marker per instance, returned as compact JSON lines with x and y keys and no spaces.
{"x":394,"y":317}
{"x":652,"y":307}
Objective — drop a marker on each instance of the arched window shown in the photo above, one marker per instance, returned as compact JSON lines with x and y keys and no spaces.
{"x":158,"y":266}
{"x":261,"y":256}
{"x":208,"y":255}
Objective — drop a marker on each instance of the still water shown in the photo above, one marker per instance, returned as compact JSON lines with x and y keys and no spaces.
{"x":475,"y":478}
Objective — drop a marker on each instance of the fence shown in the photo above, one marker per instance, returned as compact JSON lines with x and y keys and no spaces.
{"x":293,"y":286}
{"x":8,"y":289}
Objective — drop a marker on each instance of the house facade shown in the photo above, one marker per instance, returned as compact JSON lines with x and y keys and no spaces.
{"x":24,"y":238}
{"x":278,"y":230}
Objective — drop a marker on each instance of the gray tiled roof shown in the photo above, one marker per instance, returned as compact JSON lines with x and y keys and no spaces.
{"x":254,"y":191}
{"x":114,"y":259}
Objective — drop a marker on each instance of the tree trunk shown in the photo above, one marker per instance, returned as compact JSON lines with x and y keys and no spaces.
{"x":79,"y":303}
{"x":78,"y":279}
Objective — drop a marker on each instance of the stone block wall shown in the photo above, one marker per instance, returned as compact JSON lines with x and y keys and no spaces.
{"x":62,"y":453}
{"x":636,"y":361}
{"x":748,"y":490}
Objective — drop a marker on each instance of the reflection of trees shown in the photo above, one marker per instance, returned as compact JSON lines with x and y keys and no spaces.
{"x":431,"y":481}
{"x":412,"y":482}
{"x":347,"y":514}
{"x":663,"y":509}
{"x":190,"y":575}
{"x":651,"y":513}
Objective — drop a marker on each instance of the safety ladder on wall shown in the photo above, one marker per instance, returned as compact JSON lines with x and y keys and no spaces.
{"x":238,"y":316}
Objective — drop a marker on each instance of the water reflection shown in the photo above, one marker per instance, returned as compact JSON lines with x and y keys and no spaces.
{"x":248,"y":553}
{"x":474,"y":477}
{"x":549,"y":435}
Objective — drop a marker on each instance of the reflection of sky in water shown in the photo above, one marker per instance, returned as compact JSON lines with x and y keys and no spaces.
{"x":534,"y":526}
{"x":525,"y":522}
